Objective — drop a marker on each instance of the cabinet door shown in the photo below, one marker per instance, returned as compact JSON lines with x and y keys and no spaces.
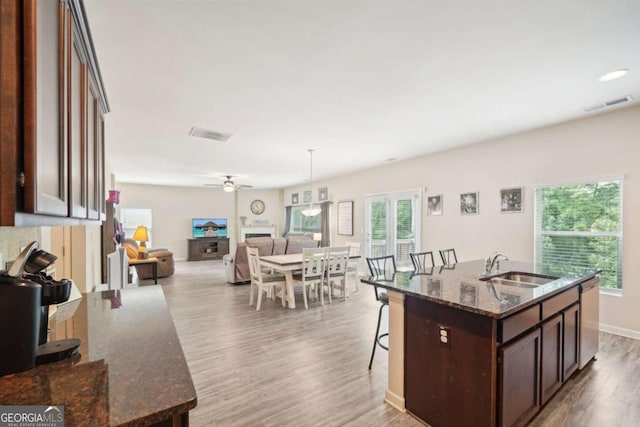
{"x":45,"y":129}
{"x":551,"y":366}
{"x":102,"y":207}
{"x":223,"y":247}
{"x":571,"y":341}
{"x":93,"y":211}
{"x":77,"y":129}
{"x":519,"y":379}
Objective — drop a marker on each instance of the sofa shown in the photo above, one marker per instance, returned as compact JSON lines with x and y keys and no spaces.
{"x":237,"y":266}
{"x":166,"y":266}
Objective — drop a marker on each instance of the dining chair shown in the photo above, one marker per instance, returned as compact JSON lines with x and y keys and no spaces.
{"x":448,"y":255}
{"x":422,"y":260}
{"x":261,"y":281}
{"x":312,"y":274}
{"x":380,"y":266}
{"x":337,"y":259}
{"x":352,"y":264}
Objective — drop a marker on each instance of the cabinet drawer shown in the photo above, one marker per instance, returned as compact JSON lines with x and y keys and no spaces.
{"x":556,"y":304}
{"x":518,"y":323}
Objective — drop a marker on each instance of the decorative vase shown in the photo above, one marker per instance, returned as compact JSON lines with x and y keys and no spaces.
{"x":114,"y":196}
{"x":243,"y":220}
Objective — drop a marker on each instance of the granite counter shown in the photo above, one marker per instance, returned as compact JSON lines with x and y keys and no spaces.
{"x":130,"y":368}
{"x":461,"y":286}
{"x":459,"y":335}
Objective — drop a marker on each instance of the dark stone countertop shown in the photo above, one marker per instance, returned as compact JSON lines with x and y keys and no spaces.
{"x":459,"y":285}
{"x":130,"y":369}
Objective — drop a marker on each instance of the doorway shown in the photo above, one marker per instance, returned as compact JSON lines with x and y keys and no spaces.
{"x":393,"y":224}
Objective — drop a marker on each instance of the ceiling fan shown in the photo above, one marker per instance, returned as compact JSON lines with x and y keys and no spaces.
{"x":229,"y":185}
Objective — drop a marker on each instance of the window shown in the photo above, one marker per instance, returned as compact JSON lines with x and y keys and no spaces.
{"x":132,"y":218}
{"x":392,"y":223}
{"x":304,"y":224}
{"x":579,"y":227}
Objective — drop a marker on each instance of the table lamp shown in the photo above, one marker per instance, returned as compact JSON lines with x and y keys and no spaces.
{"x":141,"y":235}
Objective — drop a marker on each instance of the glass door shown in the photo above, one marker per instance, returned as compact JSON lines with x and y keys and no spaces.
{"x":393,"y":226}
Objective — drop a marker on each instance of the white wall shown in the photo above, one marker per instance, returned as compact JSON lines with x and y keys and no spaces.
{"x":606,"y":145}
{"x":174,"y":207}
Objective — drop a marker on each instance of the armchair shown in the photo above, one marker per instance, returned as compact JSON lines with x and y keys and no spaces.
{"x":166,"y":266}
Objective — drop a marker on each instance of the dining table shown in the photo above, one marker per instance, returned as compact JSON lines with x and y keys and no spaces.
{"x":287,"y":264}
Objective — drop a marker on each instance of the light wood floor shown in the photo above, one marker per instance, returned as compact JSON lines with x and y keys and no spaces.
{"x":282,"y":367}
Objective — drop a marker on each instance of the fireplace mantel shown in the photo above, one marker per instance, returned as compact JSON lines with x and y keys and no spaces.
{"x":267,"y":230}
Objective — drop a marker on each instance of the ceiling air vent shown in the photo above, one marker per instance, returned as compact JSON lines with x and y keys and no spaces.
{"x":607,"y":104}
{"x":209,"y":134}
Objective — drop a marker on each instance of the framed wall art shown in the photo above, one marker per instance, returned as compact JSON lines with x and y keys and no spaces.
{"x":511,"y":200}
{"x":323,"y":194}
{"x":306,"y":196}
{"x":469,"y":203}
{"x":345,"y":218}
{"x":294,"y":199}
{"x":434,"y":205}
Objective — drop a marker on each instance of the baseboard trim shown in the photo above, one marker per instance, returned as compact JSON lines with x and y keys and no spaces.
{"x":629,"y":333}
{"x":395,"y":401}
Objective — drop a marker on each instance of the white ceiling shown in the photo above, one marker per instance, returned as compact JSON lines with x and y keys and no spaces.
{"x":359,"y":81}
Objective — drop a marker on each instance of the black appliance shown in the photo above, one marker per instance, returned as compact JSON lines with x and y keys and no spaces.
{"x":26,"y":293}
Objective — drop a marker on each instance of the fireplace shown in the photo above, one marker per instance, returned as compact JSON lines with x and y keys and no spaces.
{"x":257,"y":231}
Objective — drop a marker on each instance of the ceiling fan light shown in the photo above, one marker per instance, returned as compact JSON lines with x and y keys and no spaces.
{"x":228,"y":187}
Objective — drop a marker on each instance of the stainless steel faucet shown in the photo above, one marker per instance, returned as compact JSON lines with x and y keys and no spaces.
{"x":494,"y":260}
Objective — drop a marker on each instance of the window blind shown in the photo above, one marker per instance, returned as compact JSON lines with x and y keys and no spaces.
{"x":578,"y":227}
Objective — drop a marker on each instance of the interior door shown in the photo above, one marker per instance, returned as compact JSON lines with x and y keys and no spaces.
{"x":393,"y":224}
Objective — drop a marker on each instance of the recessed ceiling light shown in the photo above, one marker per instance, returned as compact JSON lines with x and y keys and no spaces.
{"x":613,"y":75}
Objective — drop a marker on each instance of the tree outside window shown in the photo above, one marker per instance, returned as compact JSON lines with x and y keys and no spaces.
{"x":579,"y":227}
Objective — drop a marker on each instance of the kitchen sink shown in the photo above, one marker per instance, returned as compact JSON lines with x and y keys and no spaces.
{"x":537,"y":279}
{"x":521,"y":280}
{"x":499,"y":281}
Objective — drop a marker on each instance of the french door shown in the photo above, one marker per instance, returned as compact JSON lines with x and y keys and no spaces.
{"x":393,"y":223}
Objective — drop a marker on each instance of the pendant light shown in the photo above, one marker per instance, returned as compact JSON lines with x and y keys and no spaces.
{"x":311,"y":211}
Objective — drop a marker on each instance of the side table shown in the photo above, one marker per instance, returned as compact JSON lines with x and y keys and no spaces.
{"x":150,"y":260}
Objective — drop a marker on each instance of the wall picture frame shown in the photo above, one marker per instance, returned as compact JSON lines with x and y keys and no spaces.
{"x":306,"y":196}
{"x":345,"y":218}
{"x":434,"y":205}
{"x":469,"y":203}
{"x":511,"y":200}
{"x":323,"y":194}
{"x":294,"y":199}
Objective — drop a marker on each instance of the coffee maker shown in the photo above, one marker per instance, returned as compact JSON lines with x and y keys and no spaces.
{"x":26,"y":293}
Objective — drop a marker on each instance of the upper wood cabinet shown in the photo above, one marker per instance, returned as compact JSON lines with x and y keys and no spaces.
{"x":57,"y":168}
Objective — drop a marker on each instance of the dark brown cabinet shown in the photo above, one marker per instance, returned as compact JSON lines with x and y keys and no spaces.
{"x":551,"y":360}
{"x":557,"y":346}
{"x":205,"y":248}
{"x":519,"y":379}
{"x":52,"y":108}
{"x":571,"y":344}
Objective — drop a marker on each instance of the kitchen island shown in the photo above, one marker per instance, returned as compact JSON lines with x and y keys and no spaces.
{"x":130,"y":368}
{"x":474,"y":349}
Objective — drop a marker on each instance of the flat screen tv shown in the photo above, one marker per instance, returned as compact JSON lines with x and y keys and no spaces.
{"x":209,"y":227}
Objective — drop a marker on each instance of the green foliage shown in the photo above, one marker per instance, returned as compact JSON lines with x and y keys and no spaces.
{"x":580,"y":225}
{"x":404,"y":212}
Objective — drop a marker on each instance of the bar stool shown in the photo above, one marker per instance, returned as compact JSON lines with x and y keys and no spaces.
{"x":378,"y":266}
{"x":447,"y":256}
{"x":422,"y":260}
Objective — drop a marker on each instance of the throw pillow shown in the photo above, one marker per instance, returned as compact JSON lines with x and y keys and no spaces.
{"x":131,"y":251}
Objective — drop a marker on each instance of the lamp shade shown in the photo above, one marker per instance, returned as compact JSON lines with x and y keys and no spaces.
{"x":141,"y":234}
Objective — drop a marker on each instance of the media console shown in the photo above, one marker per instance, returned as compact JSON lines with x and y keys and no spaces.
{"x":206,"y":248}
